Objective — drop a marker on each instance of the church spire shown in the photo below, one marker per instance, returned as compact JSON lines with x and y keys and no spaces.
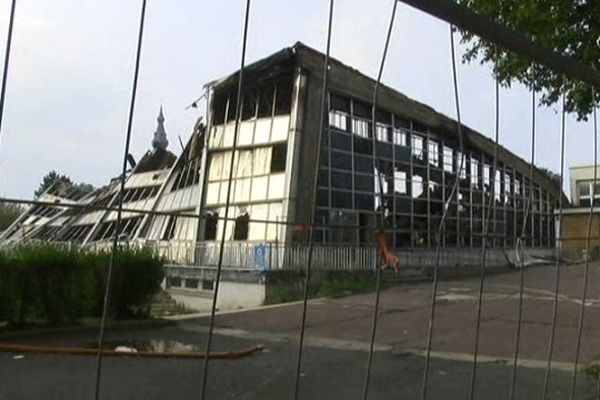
{"x":160,"y":135}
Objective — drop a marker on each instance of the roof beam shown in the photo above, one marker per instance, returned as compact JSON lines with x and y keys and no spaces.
{"x":466,"y":19}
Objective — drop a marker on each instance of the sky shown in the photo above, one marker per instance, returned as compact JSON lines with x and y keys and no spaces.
{"x":72,"y":62}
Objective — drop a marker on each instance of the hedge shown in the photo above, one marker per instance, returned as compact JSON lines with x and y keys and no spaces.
{"x":57,"y":285}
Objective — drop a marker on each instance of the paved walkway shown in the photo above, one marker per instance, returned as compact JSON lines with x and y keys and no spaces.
{"x":405,"y":315}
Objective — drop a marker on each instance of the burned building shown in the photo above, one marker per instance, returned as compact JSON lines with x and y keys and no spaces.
{"x":417,"y":154}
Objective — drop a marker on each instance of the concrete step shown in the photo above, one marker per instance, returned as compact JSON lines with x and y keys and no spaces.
{"x":163,"y":304}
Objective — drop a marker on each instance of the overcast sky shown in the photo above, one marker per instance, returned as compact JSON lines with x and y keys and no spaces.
{"x":72,"y":65}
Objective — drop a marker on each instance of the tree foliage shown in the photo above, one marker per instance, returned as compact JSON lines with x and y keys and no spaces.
{"x":569,"y":27}
{"x":8,"y":214}
{"x":48,"y":180}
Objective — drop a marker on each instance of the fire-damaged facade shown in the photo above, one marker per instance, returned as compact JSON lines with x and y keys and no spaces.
{"x":418,"y":156}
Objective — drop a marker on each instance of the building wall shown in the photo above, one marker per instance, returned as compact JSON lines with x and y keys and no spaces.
{"x":582,"y":175}
{"x":418,"y":168}
{"x":262,"y":170}
{"x":574,"y":231}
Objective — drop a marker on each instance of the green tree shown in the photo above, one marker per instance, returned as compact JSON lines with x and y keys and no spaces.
{"x":566,"y":26}
{"x":8,"y":214}
{"x":48,"y":180}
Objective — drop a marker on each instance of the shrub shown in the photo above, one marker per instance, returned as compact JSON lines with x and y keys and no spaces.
{"x":60,"y":285}
{"x":137,"y":275}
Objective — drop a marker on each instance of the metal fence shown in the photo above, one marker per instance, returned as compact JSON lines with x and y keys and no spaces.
{"x":332,"y":257}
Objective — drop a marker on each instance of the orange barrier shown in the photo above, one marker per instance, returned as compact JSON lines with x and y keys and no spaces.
{"x":82,"y":351}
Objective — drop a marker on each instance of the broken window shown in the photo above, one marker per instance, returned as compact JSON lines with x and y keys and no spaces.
{"x":417,"y":146}
{"x":265,"y":102}
{"x":249,"y":105}
{"x":382,"y":133}
{"x":338,"y":120}
{"x":417,"y":186}
{"x":360,"y":128}
{"x":169,"y":232}
{"x":474,"y":172}
{"x":433,"y":153}
{"x":219,"y":108}
{"x":278,"y":157}
{"x":400,"y":137}
{"x":448,"y":159}
{"x":339,"y":103}
{"x":400,"y":181}
{"x":283,"y":99}
{"x":210,"y":226}
{"x":240,"y":231}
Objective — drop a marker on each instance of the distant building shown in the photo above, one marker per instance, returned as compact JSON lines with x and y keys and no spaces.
{"x":575,"y":219}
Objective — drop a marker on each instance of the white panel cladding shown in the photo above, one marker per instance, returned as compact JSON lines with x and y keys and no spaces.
{"x":242,"y":190}
{"x":255,"y":131}
{"x":180,"y":199}
{"x":257,"y":229}
{"x":152,"y":178}
{"x":212,"y":193}
{"x":259,"y":190}
{"x":276,"y":186}
{"x":262,"y":134}
{"x":246,"y":134}
{"x":280,"y":129}
{"x":275,"y":214}
{"x":228,"y":136}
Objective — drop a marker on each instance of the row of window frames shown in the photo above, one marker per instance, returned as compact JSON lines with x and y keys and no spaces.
{"x":190,"y":283}
{"x":127,"y":228}
{"x":420,"y":225}
{"x":277,"y":165}
{"x":368,"y":182}
{"x":211,"y":221}
{"x":141,"y":193}
{"x":363,"y":145}
{"x":450,"y":158}
{"x":586,"y":188}
{"x":384,"y":133}
{"x":187,"y":176}
{"x":367,"y":201}
{"x":73,"y":233}
{"x":343,"y":160}
{"x":396,"y":134}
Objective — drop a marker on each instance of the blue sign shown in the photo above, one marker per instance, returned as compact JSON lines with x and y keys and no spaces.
{"x":260,"y":257}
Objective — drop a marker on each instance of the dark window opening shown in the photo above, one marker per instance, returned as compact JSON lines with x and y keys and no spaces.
{"x":191,"y":283}
{"x":278,"y":157}
{"x":208,"y":284}
{"x":210,"y":226}
{"x":170,"y":230}
{"x":339,"y":103}
{"x":231,"y":111}
{"x":283,"y":101}
{"x":240,"y":231}
{"x":249,"y":106}
{"x":362,"y":110}
{"x":265,"y":102}
{"x":383,"y":117}
{"x":219,"y":108}
{"x":173,"y":282}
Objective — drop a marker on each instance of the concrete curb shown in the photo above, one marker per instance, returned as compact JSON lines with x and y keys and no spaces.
{"x":117,"y":325}
{"x":184,"y":317}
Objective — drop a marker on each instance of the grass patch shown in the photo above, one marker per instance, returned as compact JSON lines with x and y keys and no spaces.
{"x":288,"y":286}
